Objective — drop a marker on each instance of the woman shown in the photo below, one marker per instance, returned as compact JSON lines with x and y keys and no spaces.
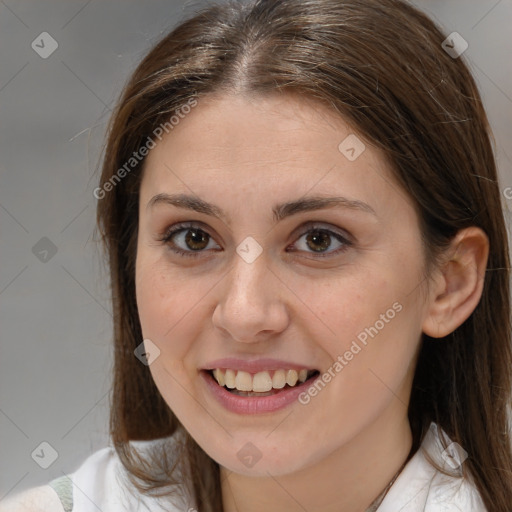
{"x":309,"y":264}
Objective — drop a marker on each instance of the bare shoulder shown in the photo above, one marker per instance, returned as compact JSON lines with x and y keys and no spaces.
{"x":36,"y":499}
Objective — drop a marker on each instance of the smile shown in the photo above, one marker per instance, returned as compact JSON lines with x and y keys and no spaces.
{"x":264,"y":386}
{"x":262,"y":383}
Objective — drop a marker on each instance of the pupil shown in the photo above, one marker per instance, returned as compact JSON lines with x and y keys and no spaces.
{"x":318,"y":237}
{"x":194,"y":237}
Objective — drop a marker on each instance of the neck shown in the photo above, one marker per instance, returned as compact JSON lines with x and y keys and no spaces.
{"x":348,"y":480}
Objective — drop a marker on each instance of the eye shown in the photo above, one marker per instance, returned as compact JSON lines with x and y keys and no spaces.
{"x":187,"y":240}
{"x":190,"y":240}
{"x":318,"y":239}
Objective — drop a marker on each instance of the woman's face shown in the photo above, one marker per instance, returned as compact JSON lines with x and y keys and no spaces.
{"x":271,"y":282}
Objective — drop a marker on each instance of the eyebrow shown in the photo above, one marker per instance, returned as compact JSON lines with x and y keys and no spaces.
{"x":280,"y":211}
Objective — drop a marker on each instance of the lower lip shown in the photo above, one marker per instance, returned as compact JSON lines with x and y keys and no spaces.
{"x":252,"y":404}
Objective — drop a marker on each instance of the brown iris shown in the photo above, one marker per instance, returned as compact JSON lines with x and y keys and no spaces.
{"x":318,"y":237}
{"x":196,"y":237}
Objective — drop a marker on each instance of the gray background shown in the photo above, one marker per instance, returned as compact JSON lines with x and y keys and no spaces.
{"x":55,"y":313}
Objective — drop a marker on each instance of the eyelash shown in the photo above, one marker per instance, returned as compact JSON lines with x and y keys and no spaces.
{"x":167,"y":236}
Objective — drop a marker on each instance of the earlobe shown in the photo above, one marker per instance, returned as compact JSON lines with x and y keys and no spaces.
{"x":458,"y":287}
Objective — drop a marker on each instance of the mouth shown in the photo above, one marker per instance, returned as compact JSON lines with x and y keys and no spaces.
{"x":261,"y":384}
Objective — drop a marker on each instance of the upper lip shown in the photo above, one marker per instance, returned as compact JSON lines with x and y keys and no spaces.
{"x":255,"y":365}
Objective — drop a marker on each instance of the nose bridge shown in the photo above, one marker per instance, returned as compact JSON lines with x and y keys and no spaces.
{"x":248,"y":285}
{"x":250,"y":302}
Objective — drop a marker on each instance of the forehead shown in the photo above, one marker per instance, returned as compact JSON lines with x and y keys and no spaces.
{"x":244,"y":149}
{"x":250,"y":129}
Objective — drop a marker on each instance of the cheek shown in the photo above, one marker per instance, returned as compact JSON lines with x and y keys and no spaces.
{"x":370,"y":320}
{"x":150,"y":302}
{"x":345,"y":307}
{"x":164,"y":304}
{"x":172,"y":304}
{"x":163,"y":301}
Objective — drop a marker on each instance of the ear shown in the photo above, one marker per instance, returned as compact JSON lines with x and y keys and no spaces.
{"x":458,"y":283}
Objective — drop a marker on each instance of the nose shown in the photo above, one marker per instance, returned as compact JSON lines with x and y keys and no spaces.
{"x":251,"y":306}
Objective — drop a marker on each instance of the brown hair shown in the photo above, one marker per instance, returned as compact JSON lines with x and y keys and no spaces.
{"x":380,"y":65}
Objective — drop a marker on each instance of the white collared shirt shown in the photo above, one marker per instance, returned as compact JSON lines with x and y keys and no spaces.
{"x":420,"y":487}
{"x":100,"y":483}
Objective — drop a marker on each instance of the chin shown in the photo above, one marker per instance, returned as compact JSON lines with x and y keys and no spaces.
{"x":259,"y":458}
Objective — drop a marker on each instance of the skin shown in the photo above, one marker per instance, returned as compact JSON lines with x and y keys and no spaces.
{"x":246,"y":155}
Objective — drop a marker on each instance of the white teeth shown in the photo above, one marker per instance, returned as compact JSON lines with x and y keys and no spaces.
{"x":261,"y":382}
{"x":229,"y":379}
{"x":278,"y":380}
{"x":243,"y":381}
{"x":292,"y":377}
{"x":219,"y":377}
